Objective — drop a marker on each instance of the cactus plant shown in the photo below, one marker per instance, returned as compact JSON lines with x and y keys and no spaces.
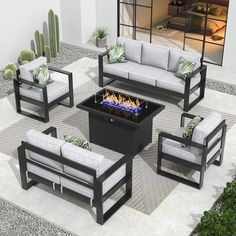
{"x":8,"y":74}
{"x":52,"y":33}
{"x":42,"y":43}
{"x":48,"y":53}
{"x":57,"y":32}
{"x":26,"y":55}
{"x":38,"y":43}
{"x":12,"y":67}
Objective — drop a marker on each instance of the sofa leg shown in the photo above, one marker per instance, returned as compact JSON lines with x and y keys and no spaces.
{"x":186,"y":104}
{"x":202,"y":173}
{"x":159,"y":161}
{"x":101,"y":84}
{"x":46,"y":114}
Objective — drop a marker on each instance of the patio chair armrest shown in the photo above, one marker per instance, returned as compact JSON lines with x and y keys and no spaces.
{"x":58,"y":70}
{"x":124,"y":160}
{"x":186,"y":115}
{"x":51,"y":130}
{"x":101,"y":55}
{"x":197,"y":71}
{"x":180,"y":140}
{"x":20,"y":80}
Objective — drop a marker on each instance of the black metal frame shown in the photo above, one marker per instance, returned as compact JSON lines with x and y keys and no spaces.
{"x":202,"y":167}
{"x":187,"y":92}
{"x":17,"y":82}
{"x":204,"y":41}
{"x":96,"y":186}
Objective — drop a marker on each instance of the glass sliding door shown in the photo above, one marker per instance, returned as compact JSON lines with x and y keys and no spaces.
{"x":205,"y":28}
{"x":135,"y":18}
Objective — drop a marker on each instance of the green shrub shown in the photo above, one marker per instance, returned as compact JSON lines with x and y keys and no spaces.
{"x":12,"y":67}
{"x":27,"y":55}
{"x":8,"y":74}
{"x":222,"y":221}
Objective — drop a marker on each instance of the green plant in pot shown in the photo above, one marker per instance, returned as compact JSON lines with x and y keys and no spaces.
{"x":100,"y":35}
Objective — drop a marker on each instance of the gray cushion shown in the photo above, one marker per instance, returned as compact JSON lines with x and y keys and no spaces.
{"x":133,"y":49}
{"x":171,"y":82}
{"x":146,"y":74}
{"x":54,"y":90}
{"x":47,"y":143}
{"x":84,"y":157}
{"x":25,"y":69}
{"x":120,"y":69}
{"x":206,"y":126}
{"x":156,"y":56}
{"x":107,"y":184}
{"x":43,"y":173}
{"x":175,"y":56}
{"x":175,"y":149}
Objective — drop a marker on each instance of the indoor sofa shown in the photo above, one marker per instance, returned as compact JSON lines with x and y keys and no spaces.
{"x":86,"y":175}
{"x":153,"y":67}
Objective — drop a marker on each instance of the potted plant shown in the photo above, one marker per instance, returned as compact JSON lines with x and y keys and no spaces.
{"x":100,"y":35}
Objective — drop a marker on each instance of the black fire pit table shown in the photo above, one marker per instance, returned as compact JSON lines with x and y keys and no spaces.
{"x":120,"y":122}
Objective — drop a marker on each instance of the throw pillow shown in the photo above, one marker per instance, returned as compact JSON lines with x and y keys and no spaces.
{"x":188,"y":131}
{"x":41,"y":75}
{"x":116,"y":54}
{"x":79,"y":142}
{"x":185,"y":68}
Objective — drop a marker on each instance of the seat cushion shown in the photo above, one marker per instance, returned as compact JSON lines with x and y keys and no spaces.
{"x":43,"y":173}
{"x":107,"y":184}
{"x":120,"y":69}
{"x":26,"y":68}
{"x":169,"y":81}
{"x":146,"y":74}
{"x":133,"y":49}
{"x":153,"y":55}
{"x":55,"y":90}
{"x":175,"y":56}
{"x":206,"y":126}
{"x":83,"y":157}
{"x":45,"y":142}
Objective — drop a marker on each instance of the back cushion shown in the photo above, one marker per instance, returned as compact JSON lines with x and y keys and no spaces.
{"x":47,"y":143}
{"x":175,"y":56}
{"x":153,"y":55}
{"x":83,"y":157}
{"x":133,"y":49}
{"x":205,"y":127}
{"x":25,"y":69}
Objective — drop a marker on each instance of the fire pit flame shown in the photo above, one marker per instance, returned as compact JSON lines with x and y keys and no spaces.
{"x":121,"y":102}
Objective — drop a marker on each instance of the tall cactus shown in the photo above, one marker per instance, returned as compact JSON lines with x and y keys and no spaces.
{"x":52,"y":33}
{"x":48,"y":53}
{"x":38,"y":43}
{"x":57,"y":32}
{"x":42,"y":42}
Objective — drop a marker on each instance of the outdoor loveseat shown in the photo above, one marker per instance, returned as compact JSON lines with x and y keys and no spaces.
{"x":153,"y":67}
{"x":86,"y":175}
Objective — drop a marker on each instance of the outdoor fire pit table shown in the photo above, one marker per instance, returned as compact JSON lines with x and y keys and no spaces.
{"x":120,"y":122}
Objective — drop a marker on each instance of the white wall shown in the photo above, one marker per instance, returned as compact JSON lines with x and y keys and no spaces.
{"x":78,"y":20}
{"x":19,"y":20}
{"x":230,"y":42}
{"x":107,"y":16}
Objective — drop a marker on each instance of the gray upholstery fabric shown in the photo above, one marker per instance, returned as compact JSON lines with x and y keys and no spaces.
{"x":175,"y":56}
{"x":171,"y":82}
{"x":175,"y":149}
{"x":25,"y":69}
{"x":133,"y":49}
{"x":120,"y":69}
{"x":43,"y":173}
{"x":153,"y":55}
{"x":146,"y":74}
{"x":47,"y":143}
{"x":107,"y":185}
{"x":203,"y":129}
{"x":54,"y":90}
{"x":84,"y":157}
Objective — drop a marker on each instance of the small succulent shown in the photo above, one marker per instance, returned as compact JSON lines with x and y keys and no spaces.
{"x":26,"y":55}
{"x":8,"y":74}
{"x":100,"y":33}
{"x":12,"y":67}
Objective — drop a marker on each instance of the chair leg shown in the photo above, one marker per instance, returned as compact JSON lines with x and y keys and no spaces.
{"x":186,"y":103}
{"x":46,"y":114}
{"x":202,"y":173}
{"x":159,"y":162}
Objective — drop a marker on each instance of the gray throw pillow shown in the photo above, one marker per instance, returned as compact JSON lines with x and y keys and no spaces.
{"x":185,"y":68}
{"x":79,"y":142}
{"x":116,"y":54}
{"x":41,"y":75}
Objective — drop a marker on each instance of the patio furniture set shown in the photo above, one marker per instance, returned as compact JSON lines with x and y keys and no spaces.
{"x":126,"y":126}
